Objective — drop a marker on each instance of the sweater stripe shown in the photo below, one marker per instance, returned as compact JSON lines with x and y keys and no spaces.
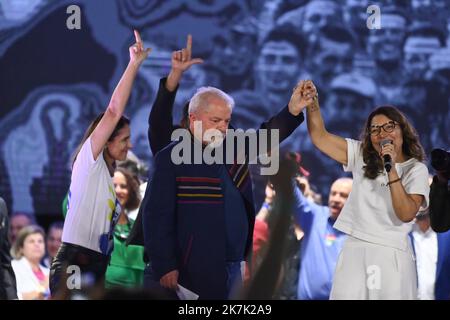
{"x":200,"y":195}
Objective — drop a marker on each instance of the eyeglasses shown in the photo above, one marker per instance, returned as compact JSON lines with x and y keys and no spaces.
{"x":387,"y":127}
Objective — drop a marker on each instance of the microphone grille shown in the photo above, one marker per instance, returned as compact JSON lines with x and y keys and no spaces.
{"x":385,"y":141}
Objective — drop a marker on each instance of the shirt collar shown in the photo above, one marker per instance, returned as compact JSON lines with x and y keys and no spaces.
{"x":429,"y":232}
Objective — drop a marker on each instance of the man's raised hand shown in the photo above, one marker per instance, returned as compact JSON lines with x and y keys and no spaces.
{"x":182,"y":59}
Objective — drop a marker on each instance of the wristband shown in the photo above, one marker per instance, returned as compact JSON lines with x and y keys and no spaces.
{"x":393,"y":181}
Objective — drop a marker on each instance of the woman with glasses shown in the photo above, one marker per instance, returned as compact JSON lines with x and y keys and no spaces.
{"x":376,"y":261}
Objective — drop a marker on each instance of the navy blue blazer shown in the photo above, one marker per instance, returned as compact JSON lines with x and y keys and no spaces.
{"x":442,"y":283}
{"x":184,"y":219}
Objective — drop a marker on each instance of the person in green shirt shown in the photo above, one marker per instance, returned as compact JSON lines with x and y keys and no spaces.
{"x":126,"y":268}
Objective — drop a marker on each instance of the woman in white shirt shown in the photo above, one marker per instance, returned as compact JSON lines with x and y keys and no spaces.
{"x":31,"y":276}
{"x":93,"y":210}
{"x":376,"y":261}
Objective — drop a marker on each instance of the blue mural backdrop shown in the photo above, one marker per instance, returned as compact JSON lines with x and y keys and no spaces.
{"x":54,"y":80}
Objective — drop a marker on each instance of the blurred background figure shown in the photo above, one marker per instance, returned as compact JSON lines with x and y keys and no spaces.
{"x":321,"y":243}
{"x":139,"y":171}
{"x":126,"y":268}
{"x":261,"y":230}
{"x":330,"y":55}
{"x":277,"y":68}
{"x":432,"y":252}
{"x":385,"y":45}
{"x":7,"y":278}
{"x":292,"y":262}
{"x":17,"y":221}
{"x":308,"y":20}
{"x":265,"y":224}
{"x":232,"y":50}
{"x":53,"y":242}
{"x":271,"y":276}
{"x":424,"y":9}
{"x":349,"y":102}
{"x":355,"y":17}
{"x":32,"y":278}
{"x":271,"y":10}
{"x":421,"y":41}
{"x":423,"y":91}
{"x":440,"y":191}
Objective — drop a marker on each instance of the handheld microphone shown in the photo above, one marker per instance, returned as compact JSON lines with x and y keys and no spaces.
{"x":386,"y":158}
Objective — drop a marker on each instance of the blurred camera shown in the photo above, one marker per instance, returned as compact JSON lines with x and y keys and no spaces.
{"x":440,"y":161}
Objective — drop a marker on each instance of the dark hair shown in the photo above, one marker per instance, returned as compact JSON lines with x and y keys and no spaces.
{"x":397,"y":11}
{"x":335,"y":33}
{"x":338,"y":33}
{"x":56,"y":225}
{"x":134,"y":196}
{"x":394,"y":11}
{"x":137,"y":168}
{"x":285,"y":33}
{"x":426,"y":30}
{"x":122,"y":122}
{"x":27,"y":215}
{"x":411,"y":145}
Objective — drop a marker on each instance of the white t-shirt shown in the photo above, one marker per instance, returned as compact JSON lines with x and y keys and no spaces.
{"x":368,"y":213}
{"x":92,"y":205}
